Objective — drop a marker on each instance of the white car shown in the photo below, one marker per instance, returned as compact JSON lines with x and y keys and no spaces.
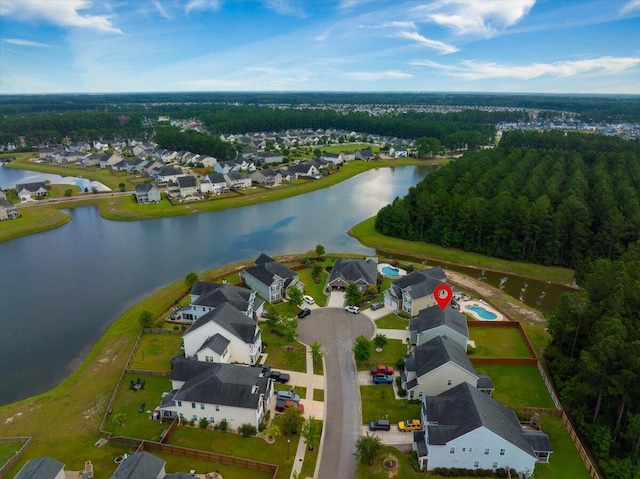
{"x":352,"y":309}
{"x":308,"y":299}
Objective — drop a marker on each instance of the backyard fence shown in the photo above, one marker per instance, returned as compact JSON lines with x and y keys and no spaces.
{"x":144,"y":372}
{"x":161,"y":331}
{"x":9,"y":464}
{"x":529,"y":361}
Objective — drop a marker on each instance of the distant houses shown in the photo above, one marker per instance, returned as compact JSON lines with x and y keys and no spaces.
{"x":26,"y":191}
{"x":8,"y":211}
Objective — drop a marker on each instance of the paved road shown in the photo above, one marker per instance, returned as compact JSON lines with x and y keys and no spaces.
{"x":336,"y":330}
{"x":71,"y":199}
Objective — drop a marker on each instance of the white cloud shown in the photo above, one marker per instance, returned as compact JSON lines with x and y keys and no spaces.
{"x":286,"y":7}
{"x":473,"y":70}
{"x":374,"y":76}
{"x":349,"y":4}
{"x":630,"y":6}
{"x":25,"y":43}
{"x":443,"y":48}
{"x":64,"y":14}
{"x":202,"y":5}
{"x":484,"y":18}
{"x":404,"y":24}
{"x":161,"y":9}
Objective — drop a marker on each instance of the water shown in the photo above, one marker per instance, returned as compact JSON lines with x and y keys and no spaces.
{"x":63,"y":287}
{"x":482,"y":312}
{"x":390,"y":271}
{"x":9,"y":177}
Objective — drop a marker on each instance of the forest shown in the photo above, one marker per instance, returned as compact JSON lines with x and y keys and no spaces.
{"x":545,"y":198}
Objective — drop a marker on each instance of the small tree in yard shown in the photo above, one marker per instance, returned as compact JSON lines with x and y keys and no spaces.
{"x":362,"y":349}
{"x":316,"y":353}
{"x":288,"y":327}
{"x":352,"y":294}
{"x":292,"y":420}
{"x":272,"y":318}
{"x":368,"y":447}
{"x":310,"y":432}
{"x":190,"y":279}
{"x":320,"y":251}
{"x":294,"y":295}
{"x":146,"y":319}
{"x":122,"y":186}
{"x":272,"y":431}
{"x":247,"y":430}
{"x":316,"y":271}
{"x":68,"y":192}
{"x":380,"y":341}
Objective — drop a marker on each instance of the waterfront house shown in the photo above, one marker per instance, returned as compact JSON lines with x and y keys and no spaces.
{"x":362,"y":272}
{"x":414,"y":292}
{"x":214,"y":183}
{"x":237,"y":181}
{"x":266,"y":177}
{"x":167,"y":174}
{"x":206,"y":297}
{"x":147,"y":193}
{"x":187,"y":186}
{"x":435,"y":321}
{"x":270,"y":278}
{"x":305,"y":169}
{"x":365,"y":155}
{"x":465,"y":428}
{"x":28,"y":190}
{"x":8,"y":211}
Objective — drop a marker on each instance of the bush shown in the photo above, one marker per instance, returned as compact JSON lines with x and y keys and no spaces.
{"x":192,"y":423}
{"x":400,"y":364}
{"x":413,"y":461}
{"x":398,"y":381}
{"x":223,"y":425}
{"x":414,"y":401}
{"x":203,"y":423}
{"x":470,"y":349}
{"x":261,"y":427}
{"x":267,"y":416}
{"x":247,"y":430}
{"x":402,"y":393}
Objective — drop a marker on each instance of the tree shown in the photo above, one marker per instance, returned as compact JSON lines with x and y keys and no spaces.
{"x":288,"y":327}
{"x":122,"y":186}
{"x":272,"y":431}
{"x":190,"y":279}
{"x":316,"y":353}
{"x":380,"y":341}
{"x":352,"y":294}
{"x":310,"y":431}
{"x":368,"y":447}
{"x":292,"y":420}
{"x":316,"y":271}
{"x":272,"y":318}
{"x":362,"y":349}
{"x":146,"y":319}
{"x":294,"y":295}
{"x":320,"y":251}
{"x":68,"y":192}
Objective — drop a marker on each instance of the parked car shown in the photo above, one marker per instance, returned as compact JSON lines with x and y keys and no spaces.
{"x":279,"y":376}
{"x":288,"y":395}
{"x":381,"y":369}
{"x":304,"y":312}
{"x":282,"y":404}
{"x":377,"y":305}
{"x":381,"y":378}
{"x":352,"y":309}
{"x":308,"y":299}
{"x":380,"y":425}
{"x":410,"y":425}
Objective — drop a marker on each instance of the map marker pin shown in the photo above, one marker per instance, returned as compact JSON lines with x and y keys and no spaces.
{"x":442,"y":294}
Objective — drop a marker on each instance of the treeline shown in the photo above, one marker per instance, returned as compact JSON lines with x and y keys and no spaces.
{"x":172,"y":138}
{"x":594,"y":358}
{"x":548,"y":206}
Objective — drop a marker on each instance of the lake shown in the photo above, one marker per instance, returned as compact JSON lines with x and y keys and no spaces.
{"x":9,"y":177}
{"x":62,"y":288}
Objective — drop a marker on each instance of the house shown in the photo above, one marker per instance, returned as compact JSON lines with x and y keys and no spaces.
{"x":214,"y":183}
{"x":8,"y":211}
{"x":271,"y":279}
{"x":269,"y":157}
{"x":303,"y":169}
{"x":398,"y":152}
{"x":147,"y":193}
{"x":208,"y":161}
{"x":225,"y":167}
{"x":166,"y":174}
{"x":3,"y":195}
{"x":434,"y":321}
{"x":465,"y":428}
{"x":242,"y":333}
{"x":438,"y":365}
{"x":362,"y":272}
{"x":27,"y":190}
{"x":333,"y":158}
{"x":346,"y":156}
{"x":266,"y":177}
{"x":206,"y":297}
{"x":42,"y":468}
{"x":237,"y":181}
{"x":218,"y":392}
{"x":414,"y":292}
{"x":109,"y":159}
{"x":187,"y":186}
{"x":141,"y":465}
{"x":92,"y":159}
{"x":365,"y":155}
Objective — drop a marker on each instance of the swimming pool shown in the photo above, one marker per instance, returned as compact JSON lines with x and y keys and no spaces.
{"x":390,"y":271}
{"x":482,"y":312}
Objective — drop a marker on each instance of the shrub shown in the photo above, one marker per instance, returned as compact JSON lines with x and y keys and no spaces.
{"x":400,"y":364}
{"x":267,"y":416}
{"x":402,"y":393}
{"x":203,"y":423}
{"x":192,"y":423}
{"x":261,"y":427}
{"x":247,"y":430}
{"x":398,"y":381}
{"x":413,"y":461}
{"x":408,"y":267}
{"x":380,"y":341}
{"x":470,"y":349}
{"x":414,"y":401}
{"x":224,"y":425}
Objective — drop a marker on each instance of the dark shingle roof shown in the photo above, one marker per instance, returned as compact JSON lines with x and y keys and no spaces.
{"x":267,"y":268}
{"x":216,"y":178}
{"x":418,"y":284}
{"x":463,"y":409}
{"x":141,"y":465}
{"x":421,"y":444}
{"x":440,"y":350}
{"x":538,"y":440}
{"x":40,"y":468}
{"x":186,"y":181}
{"x":433,"y":317}
{"x":217,"y":343}
{"x":213,"y":295}
{"x":144,"y":187}
{"x":354,"y":270}
{"x":32,"y":187}
{"x":230,"y":319}
{"x":7,"y":204}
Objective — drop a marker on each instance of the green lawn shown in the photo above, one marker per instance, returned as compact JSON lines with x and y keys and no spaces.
{"x":498,"y":342}
{"x":291,"y":356}
{"x":392,"y":321}
{"x":8,"y":450}
{"x":394,"y":350}
{"x":517,"y":385}
{"x":299,"y":390}
{"x":350,"y":147}
{"x":316,"y":291}
{"x":318,"y":395}
{"x":177,"y":463}
{"x":565,"y":460}
{"x":310,"y":458}
{"x":33,"y":219}
{"x":367,"y":235}
{"x":378,"y":402}
{"x":137,"y":424}
{"x":58,"y":191}
{"x":377,"y":470}
{"x":155,"y":351}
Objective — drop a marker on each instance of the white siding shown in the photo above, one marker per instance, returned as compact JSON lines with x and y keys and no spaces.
{"x":239,"y":350}
{"x":235,"y":416}
{"x":209,"y":356}
{"x":258,"y":286}
{"x":436,"y":381}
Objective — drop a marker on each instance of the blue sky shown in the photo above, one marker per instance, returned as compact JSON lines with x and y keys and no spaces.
{"x":547,"y":46}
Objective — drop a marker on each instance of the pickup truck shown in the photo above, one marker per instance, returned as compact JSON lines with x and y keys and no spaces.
{"x":279,"y":376}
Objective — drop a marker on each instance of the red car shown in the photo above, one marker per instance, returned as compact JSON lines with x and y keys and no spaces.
{"x":282,"y":404}
{"x":381,"y":369}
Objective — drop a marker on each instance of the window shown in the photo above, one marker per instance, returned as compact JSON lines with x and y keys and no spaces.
{"x":452,"y":450}
{"x":212,"y":420}
{"x":193,"y":405}
{"x":486,"y":451}
{"x":217,"y":408}
{"x":449,"y":382}
{"x":202,"y":406}
{"x":181,"y":416}
{"x":495,"y":464}
{"x":195,"y":417}
{"x":502,"y":451}
{"x":179,"y":403}
{"x":464,"y":449}
{"x":476,"y":464}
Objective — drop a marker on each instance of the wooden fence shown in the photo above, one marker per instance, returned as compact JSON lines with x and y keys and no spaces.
{"x":162,"y":374}
{"x":530,"y":361}
{"x":9,"y":464}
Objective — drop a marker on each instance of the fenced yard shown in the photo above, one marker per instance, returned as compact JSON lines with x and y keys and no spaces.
{"x":492,"y":342}
{"x":155,"y":351}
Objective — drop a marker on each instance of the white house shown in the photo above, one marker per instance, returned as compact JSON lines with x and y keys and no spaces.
{"x":214,"y":183}
{"x":237,"y":181}
{"x":271,"y":279}
{"x":414,"y":292}
{"x":139,"y":465}
{"x":147,"y":193}
{"x":398,"y":152}
{"x":205,"y":297}
{"x":465,"y":428}
{"x":242,"y":333}
{"x":167,"y":174}
{"x":434,"y":321}
{"x":27,"y":190}
{"x":187,"y":186}
{"x":217,"y":392}
{"x":266,"y":177}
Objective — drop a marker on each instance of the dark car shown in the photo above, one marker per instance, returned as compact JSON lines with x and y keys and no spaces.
{"x":279,"y":377}
{"x":304,"y":312}
{"x":380,"y":425}
{"x":375,"y":306}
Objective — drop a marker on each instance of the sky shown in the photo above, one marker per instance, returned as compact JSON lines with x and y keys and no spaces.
{"x":538,"y":46}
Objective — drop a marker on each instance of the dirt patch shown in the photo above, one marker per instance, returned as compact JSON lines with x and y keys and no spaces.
{"x":92,"y":411}
{"x":9,"y":420}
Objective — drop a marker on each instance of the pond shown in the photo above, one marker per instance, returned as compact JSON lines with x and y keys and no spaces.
{"x":9,"y":177}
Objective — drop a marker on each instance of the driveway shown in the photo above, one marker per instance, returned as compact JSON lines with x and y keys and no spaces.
{"x":394,"y":437}
{"x":336,"y":330}
{"x":336,"y":299}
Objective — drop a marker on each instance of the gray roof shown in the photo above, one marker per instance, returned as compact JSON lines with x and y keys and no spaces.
{"x":485,"y":382}
{"x":463,"y":409}
{"x":186,"y":181}
{"x":433,"y":317}
{"x":213,"y":295}
{"x":538,"y":440}
{"x":32,"y":187}
{"x":217,"y":343}
{"x":169,"y":171}
{"x":230,"y":319}
{"x":141,"y":465}
{"x":216,"y":178}
{"x":355,"y":270}
{"x":267,"y":268}
{"x":419,"y":283}
{"x":7,"y":204}
{"x":433,"y":354}
{"x":421,"y":443}
{"x":40,"y":468}
{"x":144,"y":187}
{"x":219,"y":383}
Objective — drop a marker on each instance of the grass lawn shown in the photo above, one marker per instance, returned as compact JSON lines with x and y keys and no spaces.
{"x":565,"y":460}
{"x":155,"y":351}
{"x":58,"y":191}
{"x":392,"y":321}
{"x":282,"y":354}
{"x":137,"y":424}
{"x":377,"y":470}
{"x":367,"y":235}
{"x":498,"y":342}
{"x":310,"y":458}
{"x":517,"y":385}
{"x":177,"y":463}
{"x":33,"y":219}
{"x":394,"y":350}
{"x":318,"y":395}
{"x":378,"y":402}
{"x":311,"y":288}
{"x":8,"y":450}
{"x":318,"y":367}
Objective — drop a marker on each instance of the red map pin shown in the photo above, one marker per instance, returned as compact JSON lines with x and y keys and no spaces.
{"x":442,"y":294}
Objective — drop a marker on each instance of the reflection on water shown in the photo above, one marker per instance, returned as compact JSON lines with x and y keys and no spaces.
{"x":9,"y":177}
